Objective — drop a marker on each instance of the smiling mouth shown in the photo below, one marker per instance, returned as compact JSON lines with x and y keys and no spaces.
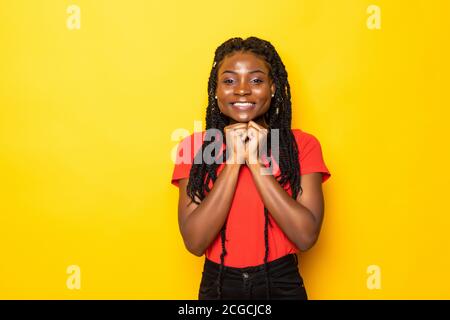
{"x":243,"y":105}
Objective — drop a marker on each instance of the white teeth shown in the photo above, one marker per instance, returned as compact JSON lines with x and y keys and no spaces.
{"x":242,"y":104}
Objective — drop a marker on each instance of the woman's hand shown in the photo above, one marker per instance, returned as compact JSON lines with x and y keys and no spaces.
{"x":243,"y":142}
{"x":235,"y":136}
{"x":257,"y":140}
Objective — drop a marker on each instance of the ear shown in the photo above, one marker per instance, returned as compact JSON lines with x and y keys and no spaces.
{"x":272,"y":88}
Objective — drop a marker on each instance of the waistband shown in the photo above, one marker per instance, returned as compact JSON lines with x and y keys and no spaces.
{"x":289,"y":259}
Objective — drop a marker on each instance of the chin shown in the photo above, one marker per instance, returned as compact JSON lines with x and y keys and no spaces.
{"x":243,"y":118}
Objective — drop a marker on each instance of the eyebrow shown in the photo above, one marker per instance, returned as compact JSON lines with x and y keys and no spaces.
{"x":253,"y":71}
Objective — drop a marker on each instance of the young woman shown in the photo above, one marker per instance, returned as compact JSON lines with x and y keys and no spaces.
{"x":248,"y":224}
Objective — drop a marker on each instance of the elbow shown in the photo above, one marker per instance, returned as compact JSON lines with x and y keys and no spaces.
{"x":191,"y":243}
{"x":196,"y":250}
{"x":307,"y":243}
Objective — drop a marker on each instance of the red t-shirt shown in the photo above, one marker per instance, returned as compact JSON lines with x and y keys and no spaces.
{"x":245,"y":224}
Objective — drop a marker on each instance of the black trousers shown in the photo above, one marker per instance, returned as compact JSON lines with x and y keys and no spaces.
{"x":285,"y":281}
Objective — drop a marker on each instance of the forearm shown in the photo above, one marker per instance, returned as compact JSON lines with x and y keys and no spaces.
{"x":296,"y":221}
{"x":206,"y":221}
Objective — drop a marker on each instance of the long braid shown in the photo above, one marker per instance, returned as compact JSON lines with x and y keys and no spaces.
{"x":266,"y":254}
{"x":278,"y":116}
{"x":222,"y":256}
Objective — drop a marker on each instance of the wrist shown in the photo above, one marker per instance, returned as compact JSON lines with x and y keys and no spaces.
{"x":234,"y":166}
{"x":254,"y":167}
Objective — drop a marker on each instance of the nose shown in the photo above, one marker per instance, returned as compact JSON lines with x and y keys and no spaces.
{"x":242,"y":89}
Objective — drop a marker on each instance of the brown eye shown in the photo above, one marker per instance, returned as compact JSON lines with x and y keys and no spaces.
{"x":258,"y":80}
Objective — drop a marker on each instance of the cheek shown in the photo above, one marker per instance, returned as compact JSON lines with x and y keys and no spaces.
{"x":224,"y":91}
{"x":262,"y":93}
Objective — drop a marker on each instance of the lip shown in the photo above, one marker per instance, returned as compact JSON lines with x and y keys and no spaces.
{"x":248,"y":107}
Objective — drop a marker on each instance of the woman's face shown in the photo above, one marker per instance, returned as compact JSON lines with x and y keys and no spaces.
{"x":244,"y":88}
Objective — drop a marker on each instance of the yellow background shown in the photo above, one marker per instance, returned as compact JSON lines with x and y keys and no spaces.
{"x":86,"y":118}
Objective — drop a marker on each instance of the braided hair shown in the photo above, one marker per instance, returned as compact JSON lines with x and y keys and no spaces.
{"x":278,"y":117}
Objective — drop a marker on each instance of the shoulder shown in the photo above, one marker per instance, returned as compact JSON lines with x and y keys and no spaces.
{"x":188,"y":146}
{"x":310,"y":154}
{"x":305,"y":140}
{"x":192,"y":140}
{"x":194,"y":135}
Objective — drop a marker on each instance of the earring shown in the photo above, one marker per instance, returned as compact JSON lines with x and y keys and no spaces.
{"x":273,"y":94}
{"x":215,"y":97}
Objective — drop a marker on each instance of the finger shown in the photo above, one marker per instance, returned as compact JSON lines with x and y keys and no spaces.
{"x":252,"y":133}
{"x":240,"y":130}
{"x":230,"y":136}
{"x":237,"y":126}
{"x":242,"y":133}
{"x":263,"y":132}
{"x":253,"y":124}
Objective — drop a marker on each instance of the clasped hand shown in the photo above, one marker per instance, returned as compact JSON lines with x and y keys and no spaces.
{"x":243,"y":141}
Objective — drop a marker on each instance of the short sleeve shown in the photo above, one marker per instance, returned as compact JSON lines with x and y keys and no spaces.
{"x":311,"y":157}
{"x":185,"y":157}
